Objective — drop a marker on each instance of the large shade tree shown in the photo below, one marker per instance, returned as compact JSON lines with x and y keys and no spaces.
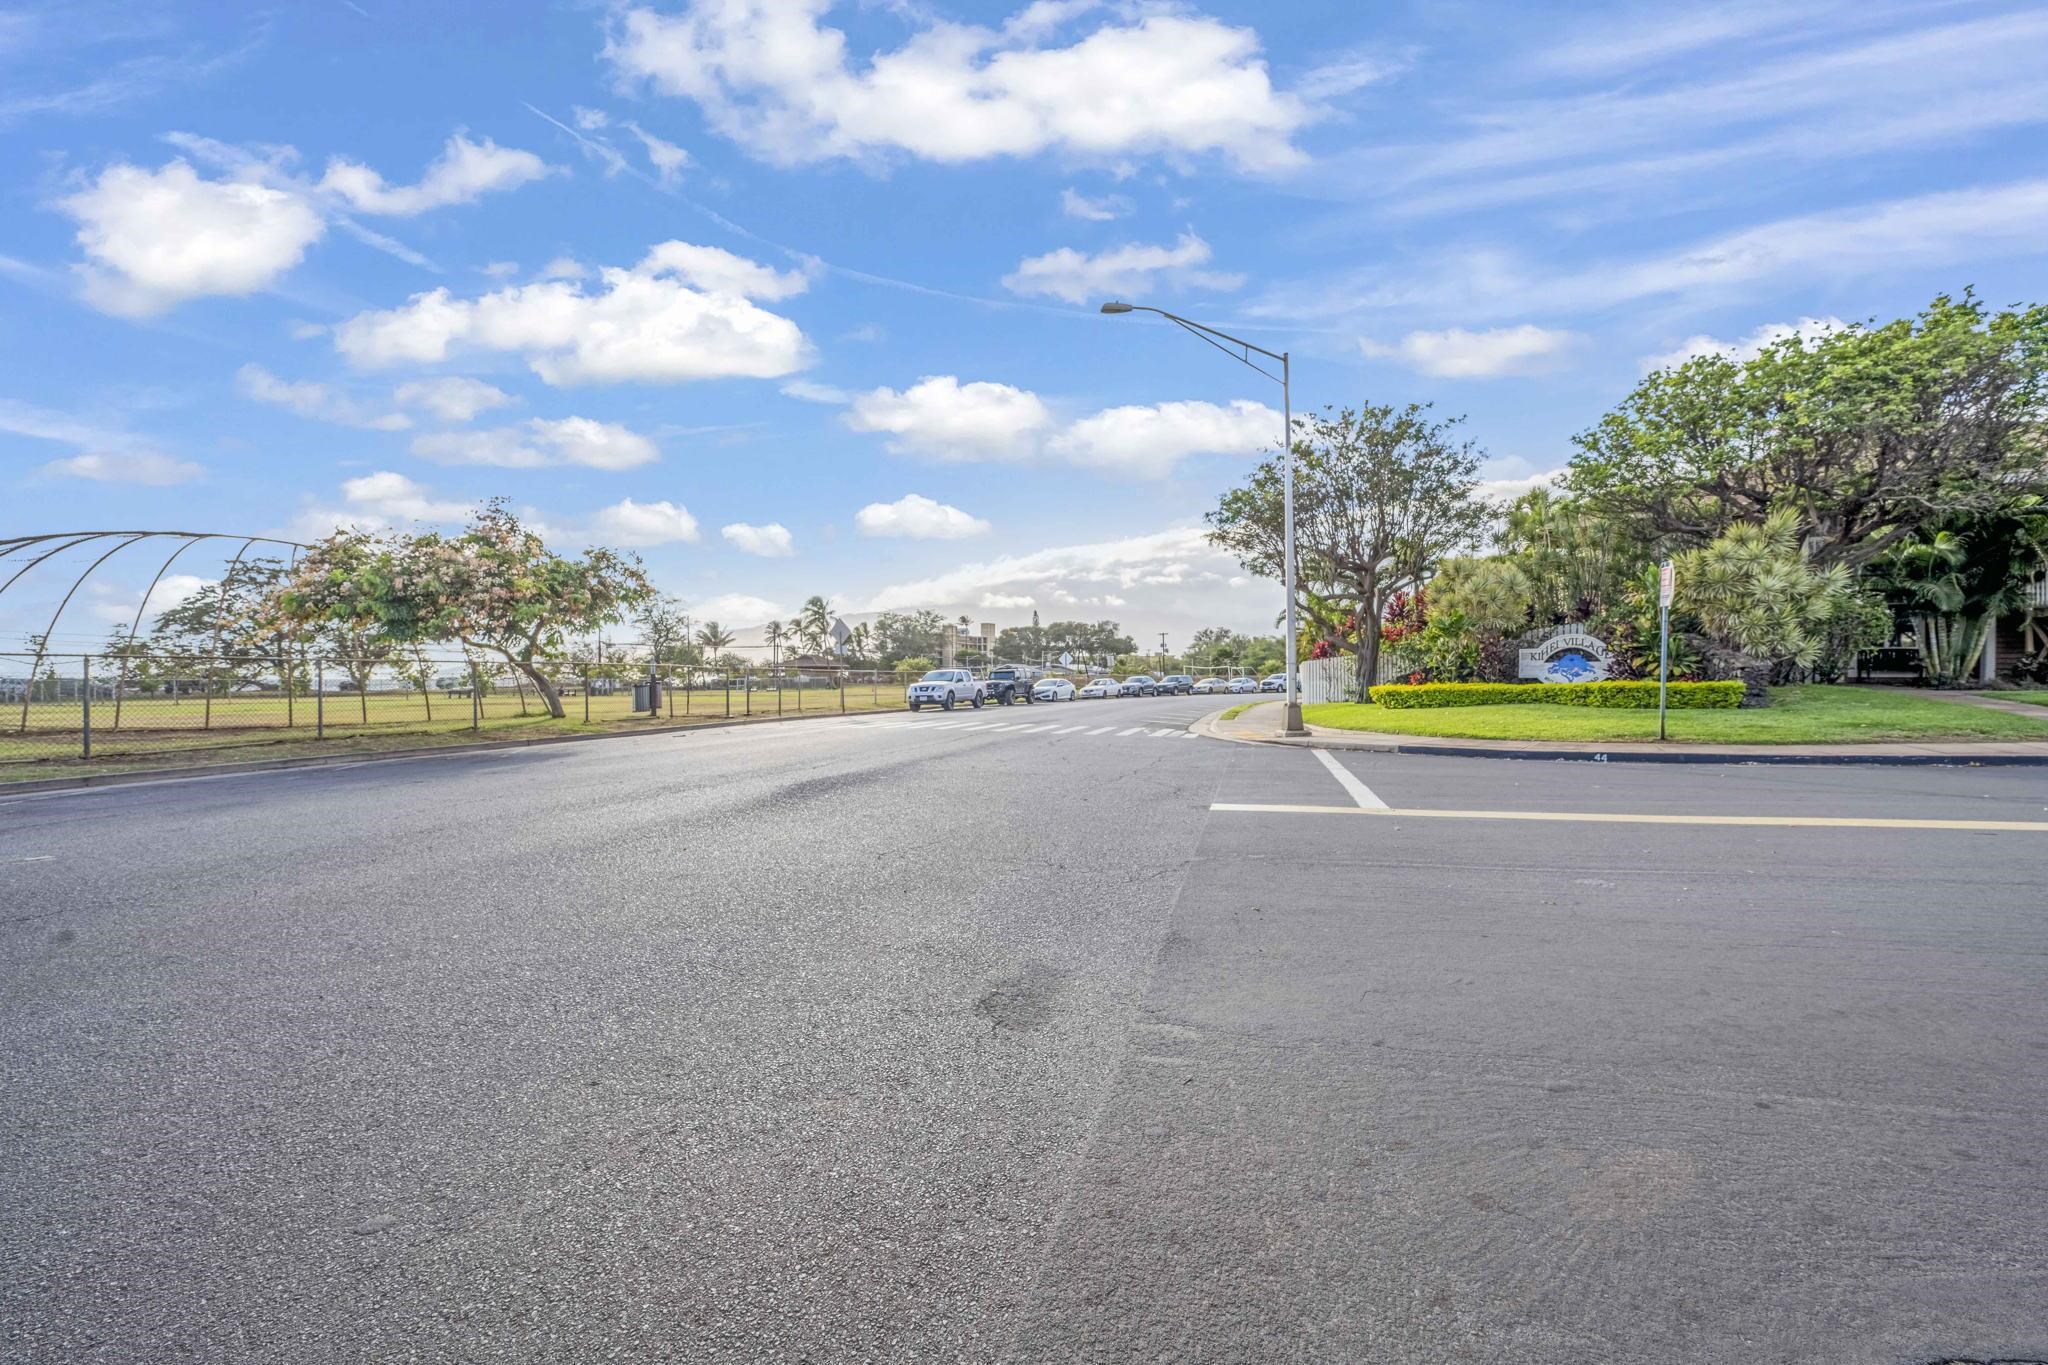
{"x":496,"y":588}
{"x":1866,"y":434}
{"x":1381,"y":494}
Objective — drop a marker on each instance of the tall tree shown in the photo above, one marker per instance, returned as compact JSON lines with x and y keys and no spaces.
{"x":1953,"y":580}
{"x":715,"y":639}
{"x":664,"y":627}
{"x":496,"y":588}
{"x":1380,"y":495}
{"x":1867,"y":434}
{"x":814,"y":624}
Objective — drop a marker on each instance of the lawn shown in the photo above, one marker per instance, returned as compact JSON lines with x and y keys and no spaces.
{"x":44,"y":741}
{"x":2035,"y":698}
{"x":1798,"y":715}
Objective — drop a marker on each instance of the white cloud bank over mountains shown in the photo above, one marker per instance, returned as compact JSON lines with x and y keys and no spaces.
{"x":957,"y":423}
{"x":769,"y":75}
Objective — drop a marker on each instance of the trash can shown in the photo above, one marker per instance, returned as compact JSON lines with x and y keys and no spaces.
{"x":643,"y":696}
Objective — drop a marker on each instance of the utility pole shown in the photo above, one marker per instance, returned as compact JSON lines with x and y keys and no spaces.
{"x":1161,"y":660}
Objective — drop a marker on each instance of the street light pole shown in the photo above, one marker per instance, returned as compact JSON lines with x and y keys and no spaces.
{"x":1243,"y":355}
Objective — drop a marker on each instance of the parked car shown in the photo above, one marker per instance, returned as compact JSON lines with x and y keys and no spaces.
{"x":1244,"y":684}
{"x":1277,"y":683}
{"x":1176,"y":685}
{"x":946,"y":688}
{"x":1139,"y":686}
{"x":1101,"y":687}
{"x":1052,"y":689}
{"x":1008,"y":683}
{"x":1208,"y":685}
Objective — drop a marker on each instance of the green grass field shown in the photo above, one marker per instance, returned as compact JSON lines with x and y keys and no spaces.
{"x":2032,"y":698}
{"x":1797,"y":715}
{"x":144,"y":731}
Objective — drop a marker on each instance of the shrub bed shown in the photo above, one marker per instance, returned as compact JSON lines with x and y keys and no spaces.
{"x":1625,"y":696}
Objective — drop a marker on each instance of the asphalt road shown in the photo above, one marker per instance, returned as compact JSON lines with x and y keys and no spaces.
{"x":882,"y":1039}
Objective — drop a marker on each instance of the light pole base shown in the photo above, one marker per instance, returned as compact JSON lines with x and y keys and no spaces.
{"x":1293,"y":727}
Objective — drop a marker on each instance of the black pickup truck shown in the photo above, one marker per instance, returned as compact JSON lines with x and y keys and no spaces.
{"x":1007,"y":684}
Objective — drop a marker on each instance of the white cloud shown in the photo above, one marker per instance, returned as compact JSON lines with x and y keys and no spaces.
{"x":393,"y":497}
{"x":916,"y":517}
{"x":463,"y":173}
{"x":810,"y":392}
{"x":941,"y":417}
{"x":317,"y":402}
{"x":771,"y":541}
{"x":452,"y":399}
{"x":1003,"y":601}
{"x":1743,"y":348}
{"x":667,"y":159}
{"x":1148,"y":441}
{"x":145,"y":467}
{"x":633,"y":524}
{"x":962,"y":423}
{"x":589,"y":120}
{"x":541,"y":441}
{"x":1077,"y":277}
{"x":104,"y":454}
{"x":684,"y":312}
{"x":1100,"y":209}
{"x":154,"y":239}
{"x":1460,"y":354}
{"x":769,"y":76}
{"x":1350,"y":72}
{"x":737,"y":609}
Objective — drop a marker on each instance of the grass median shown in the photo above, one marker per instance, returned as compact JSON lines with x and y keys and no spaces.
{"x":1797,"y":715}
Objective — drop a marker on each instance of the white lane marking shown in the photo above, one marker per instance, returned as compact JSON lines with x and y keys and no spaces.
{"x":1135,"y":729}
{"x":1360,"y":793}
{"x":984,"y":725}
{"x":37,"y":858}
{"x":1620,"y":818}
{"x":1070,"y":729}
{"x":1103,"y":731}
{"x":1189,"y":734}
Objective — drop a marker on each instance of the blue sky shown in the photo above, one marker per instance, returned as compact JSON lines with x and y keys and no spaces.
{"x":799,"y":297}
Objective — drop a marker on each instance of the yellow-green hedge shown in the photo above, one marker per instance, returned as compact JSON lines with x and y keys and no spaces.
{"x":1625,"y":696}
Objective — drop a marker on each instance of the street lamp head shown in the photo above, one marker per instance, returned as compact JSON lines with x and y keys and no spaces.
{"x":1114,"y":307}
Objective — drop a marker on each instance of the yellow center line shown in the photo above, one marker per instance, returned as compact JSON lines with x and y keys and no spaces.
{"x":1630,"y":818}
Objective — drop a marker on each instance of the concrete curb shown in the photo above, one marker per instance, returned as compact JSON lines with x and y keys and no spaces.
{"x":1211,"y":727}
{"x":266,"y":765}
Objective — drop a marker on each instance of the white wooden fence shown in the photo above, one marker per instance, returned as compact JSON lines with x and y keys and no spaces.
{"x":1336,"y":678}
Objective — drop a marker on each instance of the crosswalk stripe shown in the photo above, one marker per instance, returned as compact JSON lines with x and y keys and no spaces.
{"x":1103,"y":731}
{"x":1189,"y":734}
{"x":1135,"y":729}
{"x":1070,"y":729}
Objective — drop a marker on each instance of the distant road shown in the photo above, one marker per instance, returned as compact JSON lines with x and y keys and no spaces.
{"x":981,"y":1036}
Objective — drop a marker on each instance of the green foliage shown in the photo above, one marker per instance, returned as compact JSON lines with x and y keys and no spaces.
{"x":1866,"y":435}
{"x":495,"y":588}
{"x":1951,"y":578}
{"x":1625,"y":696}
{"x":1380,"y":495}
{"x":1755,"y":591}
{"x":1578,"y":563}
{"x":1491,"y":595}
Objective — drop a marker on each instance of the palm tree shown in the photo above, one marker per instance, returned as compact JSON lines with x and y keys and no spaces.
{"x":772,"y":633}
{"x":714,"y":637}
{"x":814,"y":623}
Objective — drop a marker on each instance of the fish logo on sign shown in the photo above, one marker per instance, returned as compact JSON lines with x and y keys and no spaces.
{"x":1571,"y":667}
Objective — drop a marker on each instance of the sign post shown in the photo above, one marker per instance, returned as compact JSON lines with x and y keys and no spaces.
{"x":1665,"y":581}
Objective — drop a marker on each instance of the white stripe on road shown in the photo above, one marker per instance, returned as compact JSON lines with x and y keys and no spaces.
{"x":1070,"y":729}
{"x":1359,"y":792}
{"x":1132,"y":731}
{"x":1631,"y":818}
{"x":1103,"y":731}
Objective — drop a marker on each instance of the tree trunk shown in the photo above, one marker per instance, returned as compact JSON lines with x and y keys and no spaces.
{"x":546,"y":690}
{"x":1368,"y":658}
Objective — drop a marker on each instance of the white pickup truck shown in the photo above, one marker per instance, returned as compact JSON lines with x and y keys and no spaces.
{"x":946,"y":688}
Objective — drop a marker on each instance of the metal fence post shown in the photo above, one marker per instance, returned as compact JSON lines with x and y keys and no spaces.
{"x":85,"y":732}
{"x":842,"y":692}
{"x":320,"y":701}
{"x":476,"y":697}
{"x":586,"y":697}
{"x":778,"y":691}
{"x":748,"y":694}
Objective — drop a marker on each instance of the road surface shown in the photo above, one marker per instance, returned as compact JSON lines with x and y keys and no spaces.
{"x":1046,"y":1034}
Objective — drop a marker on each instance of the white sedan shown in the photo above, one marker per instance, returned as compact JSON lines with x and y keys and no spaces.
{"x":1100,"y":687}
{"x":1207,"y":685}
{"x":1052,"y":689}
{"x":1244,"y":684}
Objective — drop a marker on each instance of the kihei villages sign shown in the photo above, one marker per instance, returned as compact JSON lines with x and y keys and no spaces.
{"x":1568,"y":655}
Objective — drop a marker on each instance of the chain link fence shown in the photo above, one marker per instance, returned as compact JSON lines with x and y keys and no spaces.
{"x":85,"y":707}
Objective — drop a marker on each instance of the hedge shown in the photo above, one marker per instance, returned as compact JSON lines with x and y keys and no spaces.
{"x":1626,"y":696}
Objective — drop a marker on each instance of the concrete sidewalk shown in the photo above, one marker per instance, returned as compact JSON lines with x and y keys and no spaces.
{"x":1260,"y":725}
